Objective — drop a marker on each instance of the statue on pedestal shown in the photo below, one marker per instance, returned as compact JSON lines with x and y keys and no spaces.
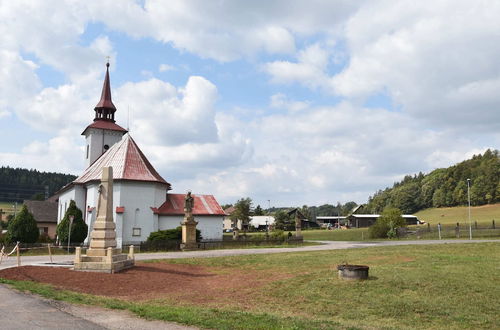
{"x":189,"y":225}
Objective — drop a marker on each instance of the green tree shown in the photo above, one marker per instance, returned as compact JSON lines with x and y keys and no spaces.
{"x":23,"y":227}
{"x":258,"y":210}
{"x":388,"y":222}
{"x":242,"y":212}
{"x":79,"y":228}
{"x":283,"y":221}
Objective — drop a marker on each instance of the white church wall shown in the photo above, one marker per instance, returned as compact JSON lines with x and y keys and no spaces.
{"x":76,"y":193}
{"x":210,"y":226}
{"x":138,"y":218}
{"x":96,"y":140}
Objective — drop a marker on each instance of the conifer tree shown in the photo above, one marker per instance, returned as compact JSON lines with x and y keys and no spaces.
{"x":23,"y":227}
{"x":79,"y":228}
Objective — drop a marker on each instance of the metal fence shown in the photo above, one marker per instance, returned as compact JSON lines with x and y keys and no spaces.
{"x":456,"y":230}
{"x":174,"y":245}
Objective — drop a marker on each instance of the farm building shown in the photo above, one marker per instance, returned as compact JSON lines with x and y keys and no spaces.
{"x":366,"y":220}
{"x":45,"y":214}
{"x":141,"y":198}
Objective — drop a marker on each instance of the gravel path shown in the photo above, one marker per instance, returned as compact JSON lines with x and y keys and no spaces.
{"x":327,"y":245}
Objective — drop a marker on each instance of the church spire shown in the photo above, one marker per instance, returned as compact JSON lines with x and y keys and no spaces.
{"x":105,"y":109}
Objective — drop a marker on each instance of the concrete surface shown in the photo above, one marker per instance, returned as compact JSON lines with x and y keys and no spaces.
{"x":27,"y":311}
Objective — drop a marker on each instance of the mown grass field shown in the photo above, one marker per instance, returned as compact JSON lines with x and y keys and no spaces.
{"x":353,"y":234}
{"x":419,"y":287}
{"x":451,"y":215}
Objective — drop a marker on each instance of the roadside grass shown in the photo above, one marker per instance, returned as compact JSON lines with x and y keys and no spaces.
{"x":352,"y":234}
{"x":424,"y":287}
{"x":451,"y":215}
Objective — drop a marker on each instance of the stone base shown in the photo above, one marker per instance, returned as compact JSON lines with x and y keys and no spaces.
{"x":189,"y":246}
{"x":103,"y":261}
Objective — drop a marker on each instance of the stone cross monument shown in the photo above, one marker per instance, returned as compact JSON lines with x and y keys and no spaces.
{"x":102,"y":254}
{"x":189,"y":225}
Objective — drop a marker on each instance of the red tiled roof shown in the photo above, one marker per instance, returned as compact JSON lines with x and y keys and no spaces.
{"x":203,"y":205}
{"x":104,"y":124}
{"x":128,"y":162}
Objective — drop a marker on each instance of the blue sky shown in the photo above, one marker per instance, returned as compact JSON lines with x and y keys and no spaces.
{"x":290,"y":101}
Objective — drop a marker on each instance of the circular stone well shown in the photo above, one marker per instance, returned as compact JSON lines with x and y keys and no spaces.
{"x":353,"y":272}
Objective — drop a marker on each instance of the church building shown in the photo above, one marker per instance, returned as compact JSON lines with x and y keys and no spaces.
{"x":141,"y":198}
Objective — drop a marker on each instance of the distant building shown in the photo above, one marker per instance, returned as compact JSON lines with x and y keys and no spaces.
{"x":45,"y":214}
{"x":366,"y":220}
{"x":262,"y":222}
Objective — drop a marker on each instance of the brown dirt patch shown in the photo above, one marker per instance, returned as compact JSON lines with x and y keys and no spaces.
{"x":182,"y":284}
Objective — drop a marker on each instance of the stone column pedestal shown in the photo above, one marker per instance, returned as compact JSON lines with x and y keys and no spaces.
{"x":189,"y":234}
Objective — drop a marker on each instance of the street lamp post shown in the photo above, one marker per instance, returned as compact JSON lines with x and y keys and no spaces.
{"x":71,"y":217}
{"x":468,"y":198}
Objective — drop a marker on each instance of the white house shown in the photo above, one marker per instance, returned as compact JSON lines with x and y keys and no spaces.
{"x":141,"y":199}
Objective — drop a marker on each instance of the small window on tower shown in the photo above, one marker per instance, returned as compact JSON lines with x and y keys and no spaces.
{"x":87,"y":151}
{"x":106,"y":147}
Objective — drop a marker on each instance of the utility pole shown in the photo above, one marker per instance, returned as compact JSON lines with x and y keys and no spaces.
{"x":468,"y":198}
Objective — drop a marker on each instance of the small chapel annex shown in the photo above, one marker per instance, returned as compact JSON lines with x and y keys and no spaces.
{"x":142,"y":203}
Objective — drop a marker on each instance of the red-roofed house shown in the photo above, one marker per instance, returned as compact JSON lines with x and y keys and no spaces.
{"x":141,"y":200}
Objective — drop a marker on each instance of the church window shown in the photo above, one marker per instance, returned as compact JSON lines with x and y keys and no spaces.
{"x":87,"y":151}
{"x":136,"y":231}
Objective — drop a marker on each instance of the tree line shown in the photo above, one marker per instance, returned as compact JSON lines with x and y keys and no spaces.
{"x":18,"y":184}
{"x":444,"y":187}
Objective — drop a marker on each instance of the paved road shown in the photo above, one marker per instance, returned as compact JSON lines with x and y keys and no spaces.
{"x":327,"y":245}
{"x":26,"y":311}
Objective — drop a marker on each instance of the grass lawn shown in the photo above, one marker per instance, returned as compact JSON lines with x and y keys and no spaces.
{"x":423,"y":287}
{"x":353,"y":234}
{"x":451,"y":215}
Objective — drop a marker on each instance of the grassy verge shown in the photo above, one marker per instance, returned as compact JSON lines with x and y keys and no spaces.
{"x":353,"y":234}
{"x":427,"y":287}
{"x":452,"y":215}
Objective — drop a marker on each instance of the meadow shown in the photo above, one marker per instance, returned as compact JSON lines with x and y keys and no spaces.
{"x":452,"y":215}
{"x":422,"y":287}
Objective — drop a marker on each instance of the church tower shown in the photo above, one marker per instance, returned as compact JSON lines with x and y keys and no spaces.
{"x":103,"y":132}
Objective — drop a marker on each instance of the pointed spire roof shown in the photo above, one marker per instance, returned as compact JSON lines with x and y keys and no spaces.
{"x":105,"y":109}
{"x":106,"y":102}
{"x":128,"y":162}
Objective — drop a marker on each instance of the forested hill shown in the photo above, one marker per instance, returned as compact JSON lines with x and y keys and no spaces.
{"x":18,"y":184}
{"x":444,"y":186}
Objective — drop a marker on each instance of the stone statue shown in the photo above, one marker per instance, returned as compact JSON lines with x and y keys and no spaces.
{"x":188,"y":203}
{"x":189,"y":225}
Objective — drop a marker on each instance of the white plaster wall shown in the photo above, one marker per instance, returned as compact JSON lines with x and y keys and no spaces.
{"x":169,"y":222}
{"x":210,"y":226}
{"x":138,"y":198}
{"x":96,"y":139}
{"x":76,"y":193}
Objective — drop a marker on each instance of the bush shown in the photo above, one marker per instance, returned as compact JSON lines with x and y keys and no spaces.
{"x":79,"y":228}
{"x":387,"y":224}
{"x":278,"y":235}
{"x":23,"y":227}
{"x":170,"y":234}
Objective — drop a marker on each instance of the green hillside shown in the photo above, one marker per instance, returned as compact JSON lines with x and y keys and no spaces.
{"x":451,"y":215}
{"x":18,"y":184}
{"x":444,"y":187}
